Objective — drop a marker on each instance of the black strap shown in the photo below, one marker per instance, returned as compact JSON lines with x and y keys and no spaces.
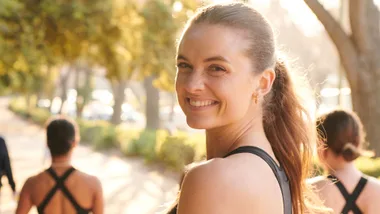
{"x":350,"y":198}
{"x":59,"y":185}
{"x":277,"y":170}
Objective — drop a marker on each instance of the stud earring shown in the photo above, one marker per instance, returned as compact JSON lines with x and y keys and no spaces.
{"x":255,"y":97}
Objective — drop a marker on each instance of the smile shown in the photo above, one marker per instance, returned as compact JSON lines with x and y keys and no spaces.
{"x":201,"y":103}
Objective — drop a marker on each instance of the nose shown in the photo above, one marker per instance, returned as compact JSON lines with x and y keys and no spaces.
{"x":194,"y":82}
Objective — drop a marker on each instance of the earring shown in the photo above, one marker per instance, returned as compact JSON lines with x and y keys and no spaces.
{"x":255,"y":97}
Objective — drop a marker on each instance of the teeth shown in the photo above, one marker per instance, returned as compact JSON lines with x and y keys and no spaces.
{"x":198,"y":103}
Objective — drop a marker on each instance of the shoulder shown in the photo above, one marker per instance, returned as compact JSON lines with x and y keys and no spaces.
{"x":373,"y":185}
{"x":91,"y":180}
{"x":240,"y":182}
{"x":319,"y":182}
{"x":30,"y":183}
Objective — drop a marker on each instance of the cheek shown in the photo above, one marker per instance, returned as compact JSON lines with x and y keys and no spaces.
{"x":236,"y":98}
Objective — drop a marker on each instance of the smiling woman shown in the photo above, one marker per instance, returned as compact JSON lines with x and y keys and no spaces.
{"x":231,"y":83}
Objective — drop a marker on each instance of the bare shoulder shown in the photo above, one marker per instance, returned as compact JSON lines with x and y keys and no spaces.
{"x":231,"y":185}
{"x":91,"y":180}
{"x":319,"y":182}
{"x":31,"y":181}
{"x":373,"y":187}
{"x":372,"y":195}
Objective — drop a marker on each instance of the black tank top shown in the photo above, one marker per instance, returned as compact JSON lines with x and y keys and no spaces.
{"x":280,"y":174}
{"x":60,"y":185}
{"x":350,"y":198}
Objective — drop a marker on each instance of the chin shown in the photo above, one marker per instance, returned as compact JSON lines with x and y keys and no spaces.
{"x":199,"y":124}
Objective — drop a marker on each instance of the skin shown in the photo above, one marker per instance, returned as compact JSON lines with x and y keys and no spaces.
{"x":213,"y":68}
{"x":349,"y":175}
{"x":86,"y":190}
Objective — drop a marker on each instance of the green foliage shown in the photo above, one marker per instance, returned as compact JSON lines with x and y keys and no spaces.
{"x":146,"y":145}
{"x":37,"y":115}
{"x":107,"y":138}
{"x":369,"y":166}
{"x":127,"y":139}
{"x":18,"y":106}
{"x":176,"y":153}
{"x":91,"y":131}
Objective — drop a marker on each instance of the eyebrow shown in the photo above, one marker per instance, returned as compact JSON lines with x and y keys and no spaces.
{"x":214,"y":58}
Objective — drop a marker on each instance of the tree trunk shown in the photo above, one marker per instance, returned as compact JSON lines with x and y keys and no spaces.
{"x":172,"y":105}
{"x":118,"y":88}
{"x":152,"y":104}
{"x":28,"y":102}
{"x":365,"y":102}
{"x":63,"y":84}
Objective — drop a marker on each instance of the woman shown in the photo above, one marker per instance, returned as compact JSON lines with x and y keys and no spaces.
{"x":231,"y":83}
{"x":61,"y":188}
{"x":345,"y":189}
{"x":5,"y":166}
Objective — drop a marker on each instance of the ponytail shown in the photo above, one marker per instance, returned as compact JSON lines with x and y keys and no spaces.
{"x":350,"y":152}
{"x":289,"y":129}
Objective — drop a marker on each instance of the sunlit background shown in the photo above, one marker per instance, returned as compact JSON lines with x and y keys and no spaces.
{"x":110,"y":65}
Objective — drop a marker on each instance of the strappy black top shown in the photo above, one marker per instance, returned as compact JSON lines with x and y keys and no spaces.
{"x":277,"y":170}
{"x":350,"y":198}
{"x":60,"y":185}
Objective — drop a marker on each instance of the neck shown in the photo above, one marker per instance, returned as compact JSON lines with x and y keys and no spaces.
{"x":346,"y":169}
{"x":220,"y":141}
{"x":61,"y":161}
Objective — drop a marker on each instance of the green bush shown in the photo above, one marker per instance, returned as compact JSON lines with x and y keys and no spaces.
{"x":176,"y":152}
{"x":145,"y":145}
{"x":18,"y":106}
{"x":369,"y":166}
{"x":107,"y":139}
{"x":94,"y":132}
{"x":39,"y":116}
{"x":126,"y":139}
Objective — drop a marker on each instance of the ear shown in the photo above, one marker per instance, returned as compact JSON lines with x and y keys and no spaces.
{"x":266,"y":81}
{"x":74,"y":144}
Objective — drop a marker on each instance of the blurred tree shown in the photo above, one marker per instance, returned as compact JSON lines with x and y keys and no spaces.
{"x":359,"y":51}
{"x":119,"y":49}
{"x":84,"y":85}
{"x":45,"y":33}
{"x":162,"y":23}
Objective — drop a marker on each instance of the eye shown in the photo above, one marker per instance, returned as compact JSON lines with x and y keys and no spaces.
{"x":183,"y":65}
{"x":217,"y":69}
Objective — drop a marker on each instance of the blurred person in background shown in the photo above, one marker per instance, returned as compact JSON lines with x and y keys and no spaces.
{"x":61,"y":188}
{"x":345,"y":189}
{"x":5,"y":166}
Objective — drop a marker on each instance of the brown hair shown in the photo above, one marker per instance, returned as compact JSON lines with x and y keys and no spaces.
{"x":342,"y":132}
{"x":286,"y":123}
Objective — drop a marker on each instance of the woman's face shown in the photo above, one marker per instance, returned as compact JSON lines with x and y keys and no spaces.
{"x":215,"y":83}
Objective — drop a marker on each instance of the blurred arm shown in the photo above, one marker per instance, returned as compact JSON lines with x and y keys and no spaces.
{"x":25,"y":202}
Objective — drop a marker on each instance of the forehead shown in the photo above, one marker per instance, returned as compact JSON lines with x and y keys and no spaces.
{"x":205,"y":40}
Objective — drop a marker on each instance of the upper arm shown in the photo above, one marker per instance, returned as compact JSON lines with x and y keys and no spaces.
{"x":210,"y":189}
{"x":196,"y":196}
{"x":25,"y":200}
{"x":98,"y":204}
{"x":374,"y":207}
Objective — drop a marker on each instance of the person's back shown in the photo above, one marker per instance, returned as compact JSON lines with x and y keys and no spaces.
{"x":81,"y":186}
{"x":346,"y":190}
{"x":61,"y":188}
{"x":367,"y":200}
